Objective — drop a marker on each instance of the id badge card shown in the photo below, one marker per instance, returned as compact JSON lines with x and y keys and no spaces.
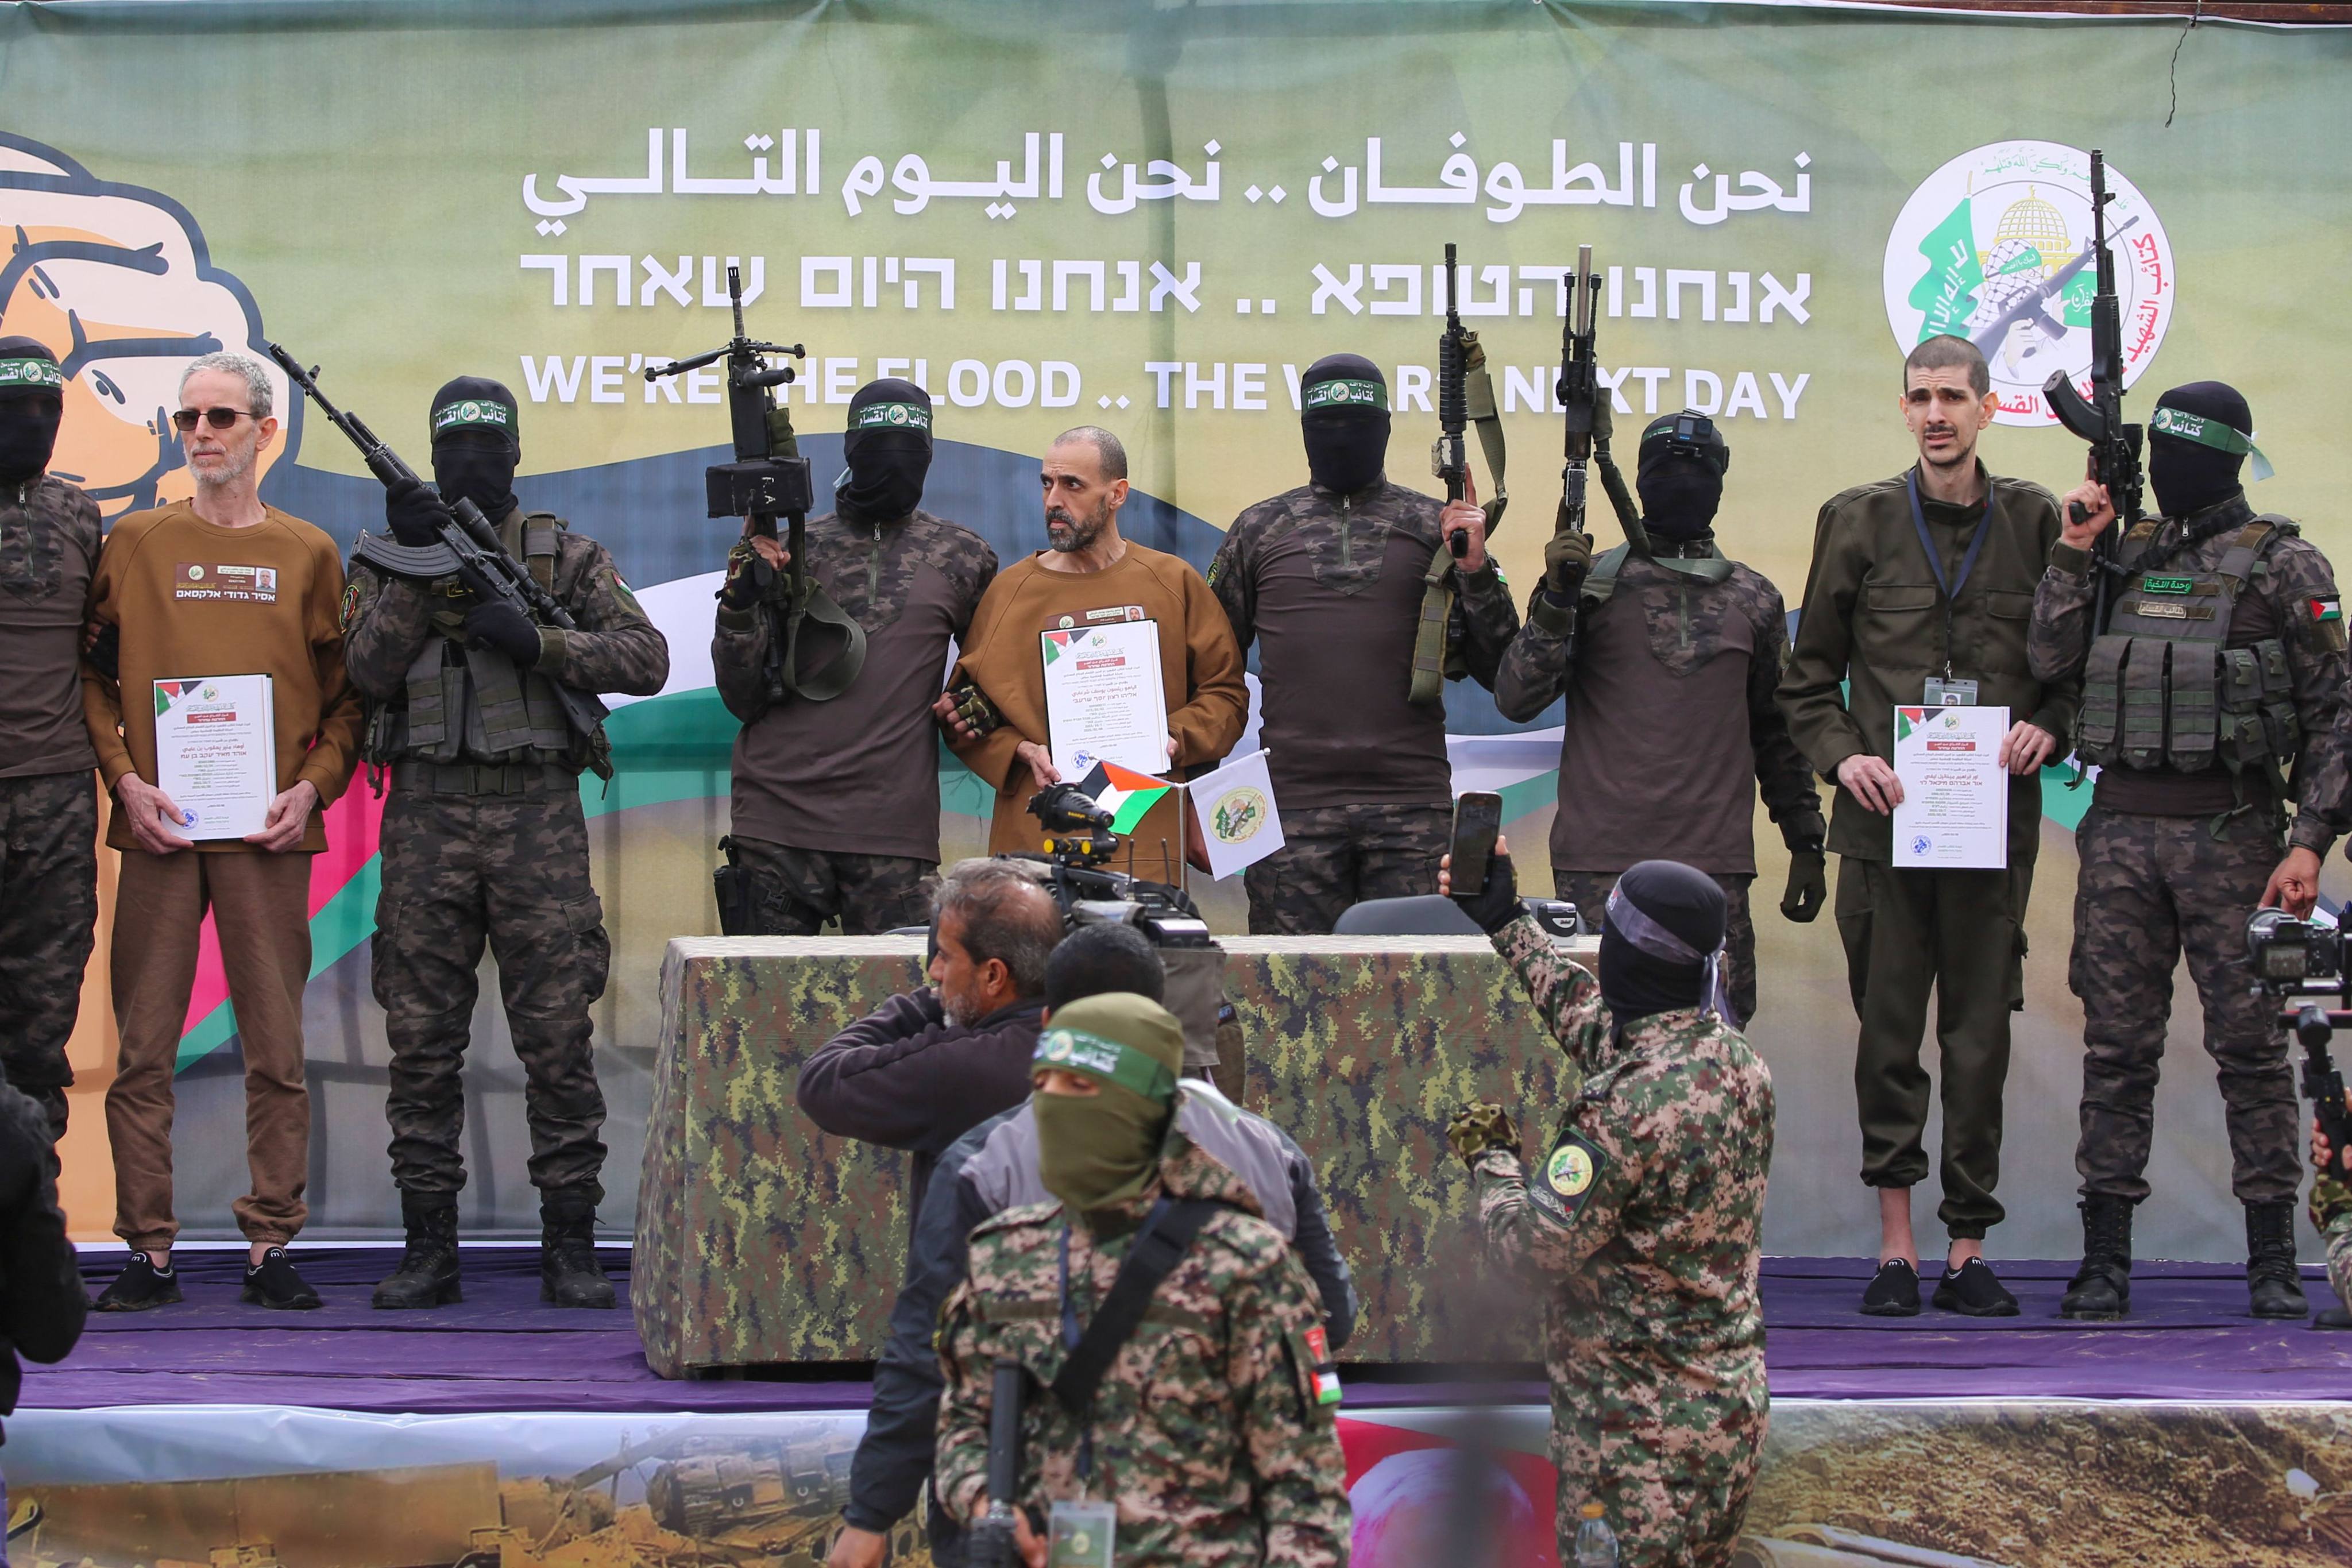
{"x":1945,"y":692}
{"x":1082,"y":1535}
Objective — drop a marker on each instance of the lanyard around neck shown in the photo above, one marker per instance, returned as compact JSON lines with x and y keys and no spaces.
{"x":1951,"y":590}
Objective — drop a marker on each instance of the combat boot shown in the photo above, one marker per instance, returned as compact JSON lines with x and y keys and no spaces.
{"x":567,"y":1275}
{"x":2272,"y":1281}
{"x":2100,"y":1292}
{"x":427,"y":1275}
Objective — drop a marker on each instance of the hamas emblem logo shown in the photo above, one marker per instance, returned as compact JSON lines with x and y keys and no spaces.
{"x":1569,"y":1171}
{"x":1995,"y":247}
{"x":1239,"y":815}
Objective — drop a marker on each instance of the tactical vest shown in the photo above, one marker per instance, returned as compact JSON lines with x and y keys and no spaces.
{"x":2161,"y":690}
{"x":475,"y":704}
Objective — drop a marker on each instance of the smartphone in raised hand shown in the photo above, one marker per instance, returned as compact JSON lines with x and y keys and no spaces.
{"x":1477,"y":818}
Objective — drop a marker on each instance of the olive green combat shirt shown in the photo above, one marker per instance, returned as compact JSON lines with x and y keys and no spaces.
{"x":1874,"y":620}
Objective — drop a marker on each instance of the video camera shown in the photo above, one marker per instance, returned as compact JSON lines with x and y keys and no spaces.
{"x":1078,"y":845}
{"x":2301,"y":965}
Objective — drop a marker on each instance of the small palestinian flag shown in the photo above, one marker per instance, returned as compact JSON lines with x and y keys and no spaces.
{"x":1124,"y":793}
{"x":2327,"y":609}
{"x":1319,"y":1366}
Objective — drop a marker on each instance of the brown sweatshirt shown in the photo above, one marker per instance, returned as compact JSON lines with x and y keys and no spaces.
{"x":194,"y":599}
{"x":1201,"y":676}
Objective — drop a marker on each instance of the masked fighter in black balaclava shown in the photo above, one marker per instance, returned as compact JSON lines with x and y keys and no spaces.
{"x":2220,"y":671}
{"x":50,"y":533}
{"x":1644,"y":1212}
{"x":483,"y":837}
{"x":1330,"y":580}
{"x":837,"y":803}
{"x":1668,"y":658}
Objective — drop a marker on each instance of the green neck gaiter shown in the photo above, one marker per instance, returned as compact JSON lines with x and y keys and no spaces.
{"x":1097,"y":1151}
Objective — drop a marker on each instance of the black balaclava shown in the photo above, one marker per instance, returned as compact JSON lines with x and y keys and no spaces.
{"x":2198,"y":439}
{"x":1346,"y":419}
{"x":32,"y":401}
{"x":1680,"y":482}
{"x":888,"y":450}
{"x":1659,"y":940}
{"x":477,"y":441}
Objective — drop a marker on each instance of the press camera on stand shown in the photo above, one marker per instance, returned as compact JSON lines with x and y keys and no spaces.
{"x":2300,"y":964}
{"x":1079,"y":845}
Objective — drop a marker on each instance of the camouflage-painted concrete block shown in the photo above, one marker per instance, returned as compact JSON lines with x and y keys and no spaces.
{"x":761,"y":1239}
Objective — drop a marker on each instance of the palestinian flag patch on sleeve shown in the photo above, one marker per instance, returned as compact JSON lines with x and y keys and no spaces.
{"x":1312,"y":1349}
{"x":2327,"y":609}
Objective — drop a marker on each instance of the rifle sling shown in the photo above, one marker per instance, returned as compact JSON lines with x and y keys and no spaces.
{"x":1167,"y":1234}
{"x":1428,"y":687}
{"x":1479,"y":403}
{"x":817,"y":610}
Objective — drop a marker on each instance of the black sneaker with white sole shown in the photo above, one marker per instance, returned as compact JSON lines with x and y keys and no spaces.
{"x":140,"y":1286}
{"x":272,"y":1282}
{"x":1893,"y":1292}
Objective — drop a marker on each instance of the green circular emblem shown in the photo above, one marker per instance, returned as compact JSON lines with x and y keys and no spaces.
{"x":1569,"y":1171}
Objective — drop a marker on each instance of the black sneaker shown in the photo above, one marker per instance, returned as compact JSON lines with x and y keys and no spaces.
{"x":272,"y":1282}
{"x":139,"y":1287}
{"x":1973,"y":1291}
{"x":1893,"y":1292}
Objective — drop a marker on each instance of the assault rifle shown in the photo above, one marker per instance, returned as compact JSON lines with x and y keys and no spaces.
{"x":991,"y":1543}
{"x":2114,"y":446}
{"x":1451,"y":459}
{"x":769,"y":478}
{"x":1579,"y":392}
{"x":469,"y":550}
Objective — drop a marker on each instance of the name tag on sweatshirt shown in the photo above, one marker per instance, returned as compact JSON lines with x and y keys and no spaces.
{"x":232,"y":584}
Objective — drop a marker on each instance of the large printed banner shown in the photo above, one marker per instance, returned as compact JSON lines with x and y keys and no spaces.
{"x":1152,"y":218}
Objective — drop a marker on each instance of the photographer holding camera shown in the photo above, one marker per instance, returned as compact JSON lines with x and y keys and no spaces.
{"x":930,"y":1065}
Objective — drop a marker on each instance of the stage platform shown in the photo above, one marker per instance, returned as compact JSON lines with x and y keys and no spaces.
{"x":2190,"y":1434}
{"x":2189,"y":1338}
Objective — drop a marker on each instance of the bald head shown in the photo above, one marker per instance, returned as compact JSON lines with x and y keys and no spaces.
{"x":1110,"y":456}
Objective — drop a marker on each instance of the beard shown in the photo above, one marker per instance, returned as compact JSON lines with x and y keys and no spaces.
{"x":236,"y":463}
{"x":1070,"y":534}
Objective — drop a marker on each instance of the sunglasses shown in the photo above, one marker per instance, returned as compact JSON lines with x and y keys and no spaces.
{"x":185,"y":420}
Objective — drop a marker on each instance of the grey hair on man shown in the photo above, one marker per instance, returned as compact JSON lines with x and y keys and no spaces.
{"x":1109,"y":450}
{"x":258,"y":391}
{"x":1001,"y":911}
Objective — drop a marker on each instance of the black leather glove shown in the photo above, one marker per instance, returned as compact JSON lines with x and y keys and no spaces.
{"x":1496,"y":904}
{"x":741,"y":589}
{"x":415,"y":513}
{"x":1568,"y":561}
{"x":1808,"y":886}
{"x":505,"y":628}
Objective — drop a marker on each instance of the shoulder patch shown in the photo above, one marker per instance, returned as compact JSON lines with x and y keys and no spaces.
{"x":351,"y":605}
{"x":1569,"y":1170}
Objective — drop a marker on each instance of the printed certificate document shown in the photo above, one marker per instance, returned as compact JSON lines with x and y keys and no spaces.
{"x":1103,"y":698}
{"x":1955,"y":810}
{"x":216,"y":753}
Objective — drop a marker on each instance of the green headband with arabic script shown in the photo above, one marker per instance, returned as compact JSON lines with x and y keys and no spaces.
{"x":892,"y":417}
{"x":2186,"y":427}
{"x":41,"y":374}
{"x":487,"y":412}
{"x":1345,"y":394}
{"x":1091,"y":1056}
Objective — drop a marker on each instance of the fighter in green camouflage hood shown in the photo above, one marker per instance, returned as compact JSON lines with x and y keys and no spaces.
{"x":1106,"y":1076}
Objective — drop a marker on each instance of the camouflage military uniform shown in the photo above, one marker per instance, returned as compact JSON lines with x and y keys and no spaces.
{"x":492,"y":845}
{"x":1208,"y":1431}
{"x":2331,"y":1216}
{"x":49,"y":535}
{"x":1631,"y":789}
{"x":2156,"y":885}
{"x":1647,"y":1219}
{"x":1329,"y":588}
{"x":837,"y":804}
